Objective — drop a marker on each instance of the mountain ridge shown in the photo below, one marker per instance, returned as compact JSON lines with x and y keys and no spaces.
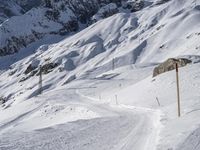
{"x":59,"y":17}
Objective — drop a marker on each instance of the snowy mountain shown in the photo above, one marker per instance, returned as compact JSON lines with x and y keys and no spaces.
{"x":97,"y":59}
{"x":51,"y":18}
{"x":12,"y":8}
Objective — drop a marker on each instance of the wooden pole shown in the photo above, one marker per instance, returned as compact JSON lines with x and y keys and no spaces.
{"x":40,"y":80}
{"x":158,"y":101}
{"x":113,"y":64}
{"x":178,"y":91}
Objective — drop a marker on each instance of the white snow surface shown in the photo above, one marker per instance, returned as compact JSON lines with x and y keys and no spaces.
{"x":102,"y":96}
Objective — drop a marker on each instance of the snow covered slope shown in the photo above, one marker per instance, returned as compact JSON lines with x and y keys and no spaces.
{"x":10,"y":8}
{"x":91,"y":69}
{"x":50,"y":18}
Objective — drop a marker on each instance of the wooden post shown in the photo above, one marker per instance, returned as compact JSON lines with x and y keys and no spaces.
{"x":178,"y":91}
{"x":113,"y":64}
{"x":40,"y":80}
{"x":157,"y":101}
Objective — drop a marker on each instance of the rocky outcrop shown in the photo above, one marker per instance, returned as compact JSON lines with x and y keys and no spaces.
{"x":47,"y":68}
{"x":14,"y":43}
{"x":2,"y":100}
{"x":170,"y":65}
{"x":105,"y":11}
{"x":134,"y":5}
{"x":32,"y":70}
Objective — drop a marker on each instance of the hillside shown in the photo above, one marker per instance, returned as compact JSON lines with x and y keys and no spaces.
{"x":97,"y":60}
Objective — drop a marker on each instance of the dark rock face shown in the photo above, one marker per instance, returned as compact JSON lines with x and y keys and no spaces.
{"x":105,"y":11}
{"x":14,"y":43}
{"x":83,"y":10}
{"x":135,"y":5}
{"x":29,"y":69}
{"x":28,"y":4}
{"x":34,"y":70}
{"x":70,"y":26}
{"x":48,"y":67}
{"x":2,"y":100}
{"x":170,"y":65}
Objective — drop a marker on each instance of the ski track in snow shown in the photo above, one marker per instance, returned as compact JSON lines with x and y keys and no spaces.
{"x":126,"y":128}
{"x":145,"y":134}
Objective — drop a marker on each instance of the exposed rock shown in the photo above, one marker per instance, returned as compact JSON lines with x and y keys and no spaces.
{"x":15,"y":43}
{"x":170,"y":65}
{"x":29,"y":69}
{"x":2,"y":100}
{"x":47,"y":68}
{"x":105,"y":12}
{"x":34,"y":70}
{"x":70,"y":26}
{"x":134,"y":5}
{"x":52,"y":14}
{"x":47,"y":3}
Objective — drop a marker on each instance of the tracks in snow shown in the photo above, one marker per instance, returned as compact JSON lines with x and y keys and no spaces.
{"x":145,"y":133}
{"x":124,"y":128}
